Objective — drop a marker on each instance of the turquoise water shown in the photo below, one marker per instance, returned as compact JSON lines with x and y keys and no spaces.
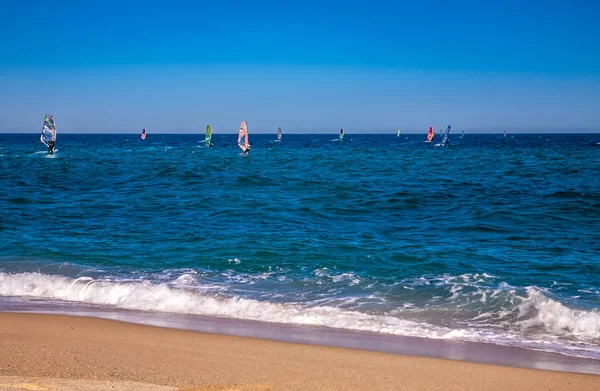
{"x":490,"y":240}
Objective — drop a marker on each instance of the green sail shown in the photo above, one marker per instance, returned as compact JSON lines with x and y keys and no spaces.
{"x":208,"y":139}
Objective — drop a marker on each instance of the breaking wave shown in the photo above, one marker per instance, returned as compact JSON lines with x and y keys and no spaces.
{"x":536,"y":321}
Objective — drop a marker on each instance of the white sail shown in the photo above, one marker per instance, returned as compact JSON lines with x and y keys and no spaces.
{"x":243,"y":134}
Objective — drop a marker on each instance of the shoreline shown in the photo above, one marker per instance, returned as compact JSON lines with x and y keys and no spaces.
{"x":465,"y":351}
{"x":83,"y":349}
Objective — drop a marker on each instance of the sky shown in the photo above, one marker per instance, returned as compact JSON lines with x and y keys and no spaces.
{"x":309,"y":67}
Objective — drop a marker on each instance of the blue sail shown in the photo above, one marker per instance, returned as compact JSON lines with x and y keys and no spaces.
{"x":446,"y":134}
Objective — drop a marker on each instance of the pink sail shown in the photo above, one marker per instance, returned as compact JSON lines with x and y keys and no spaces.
{"x":430,"y":134}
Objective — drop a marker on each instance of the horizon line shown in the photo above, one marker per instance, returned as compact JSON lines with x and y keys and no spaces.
{"x":320,"y":133}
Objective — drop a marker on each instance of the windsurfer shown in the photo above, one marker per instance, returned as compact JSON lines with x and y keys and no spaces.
{"x":208,"y":137}
{"x":243,"y":133}
{"x":430,"y":134}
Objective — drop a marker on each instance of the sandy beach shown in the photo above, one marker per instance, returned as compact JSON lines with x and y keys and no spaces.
{"x":54,"y":352}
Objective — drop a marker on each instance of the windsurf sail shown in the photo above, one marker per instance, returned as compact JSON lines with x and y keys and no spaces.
{"x":208,"y":138}
{"x":243,"y":133}
{"x":48,"y":137}
{"x":144,"y":134}
{"x":445,"y":137}
{"x":430,"y":134}
{"x":504,"y":132}
{"x":342,"y":134}
{"x":398,"y":133}
{"x":463,"y":134}
{"x":279,"y":134}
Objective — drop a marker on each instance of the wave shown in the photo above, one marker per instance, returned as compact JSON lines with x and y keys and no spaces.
{"x":536,"y":322}
{"x":485,"y":302}
{"x":559,"y":320}
{"x":148,"y":296}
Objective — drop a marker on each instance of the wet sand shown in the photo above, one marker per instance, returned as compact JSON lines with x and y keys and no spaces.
{"x":55,"y":352}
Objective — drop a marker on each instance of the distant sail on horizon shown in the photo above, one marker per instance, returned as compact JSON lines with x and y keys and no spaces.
{"x":504,"y":132}
{"x":279,"y":134}
{"x":208,"y":136}
{"x":398,"y":133}
{"x":143,"y":134}
{"x":243,"y":133}
{"x":342,"y":134}
{"x":445,"y":137}
{"x":430,"y":134}
{"x":463,"y":134}
{"x":48,"y":136}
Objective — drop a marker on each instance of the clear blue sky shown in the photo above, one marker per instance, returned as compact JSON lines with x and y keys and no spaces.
{"x":309,"y":66}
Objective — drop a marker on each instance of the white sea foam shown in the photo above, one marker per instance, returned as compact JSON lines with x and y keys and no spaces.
{"x":558,"y":319}
{"x":147,"y":296}
{"x":352,"y":278}
{"x":566,"y":330}
{"x":187,"y":279}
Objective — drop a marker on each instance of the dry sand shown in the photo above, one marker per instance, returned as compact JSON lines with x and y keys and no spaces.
{"x":53,"y":352}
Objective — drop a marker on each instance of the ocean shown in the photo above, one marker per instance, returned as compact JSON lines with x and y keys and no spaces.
{"x":489,"y":240}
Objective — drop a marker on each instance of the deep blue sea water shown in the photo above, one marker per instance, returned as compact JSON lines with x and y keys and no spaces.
{"x":491,"y":239}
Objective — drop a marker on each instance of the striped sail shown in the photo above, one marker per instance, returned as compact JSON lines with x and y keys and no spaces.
{"x":48,"y":130}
